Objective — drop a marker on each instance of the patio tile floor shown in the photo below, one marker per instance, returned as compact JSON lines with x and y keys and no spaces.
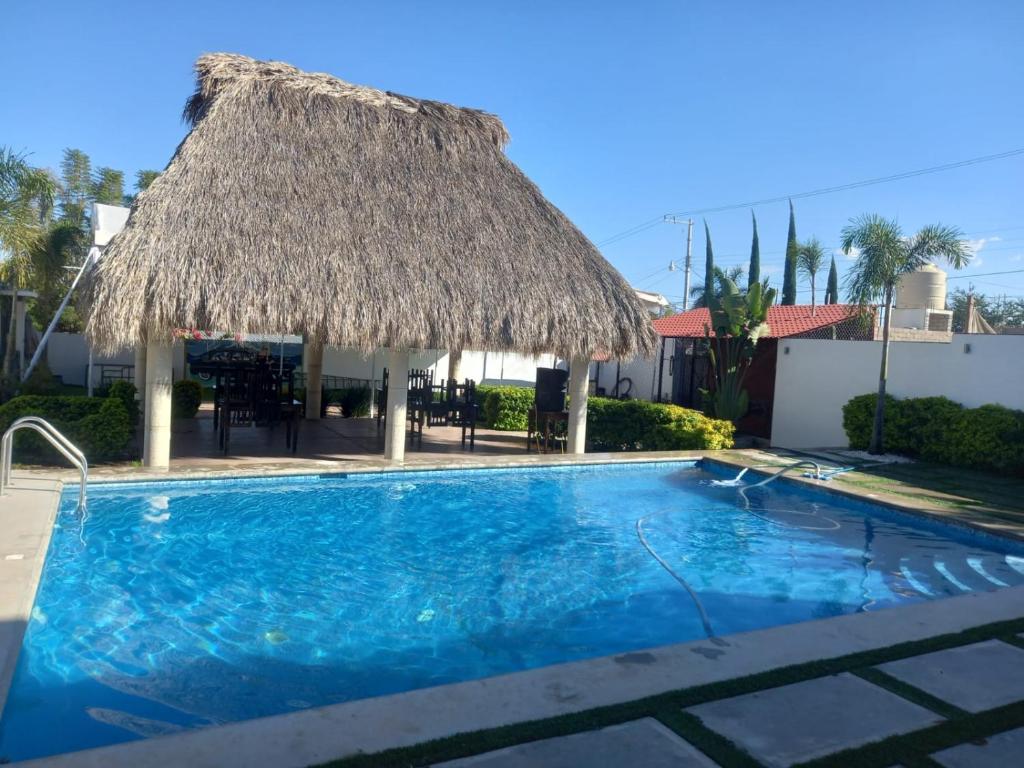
{"x":973,"y":677}
{"x":999,"y":751}
{"x":643,"y":742}
{"x":802,"y":721}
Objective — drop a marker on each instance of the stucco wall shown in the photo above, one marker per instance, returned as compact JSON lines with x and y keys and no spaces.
{"x":489,"y":367}
{"x":817,"y":377}
{"x":67,"y":356}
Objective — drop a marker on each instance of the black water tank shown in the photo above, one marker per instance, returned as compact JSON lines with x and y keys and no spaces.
{"x":551,"y":385}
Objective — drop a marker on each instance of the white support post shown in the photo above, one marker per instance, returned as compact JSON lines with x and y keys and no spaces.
{"x":398,"y":393}
{"x":159,"y":380}
{"x":314,"y":363}
{"x":579,"y":380}
{"x":454,"y":364}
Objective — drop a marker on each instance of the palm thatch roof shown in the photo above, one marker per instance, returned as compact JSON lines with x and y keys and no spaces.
{"x":360,"y":218}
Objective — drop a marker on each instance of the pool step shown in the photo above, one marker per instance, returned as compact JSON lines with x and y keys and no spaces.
{"x":936,"y":576}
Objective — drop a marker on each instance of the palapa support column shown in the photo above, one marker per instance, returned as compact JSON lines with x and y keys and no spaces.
{"x":159,"y":380}
{"x":579,"y":379}
{"x":314,"y":362}
{"x":398,"y":393}
{"x":454,"y":364}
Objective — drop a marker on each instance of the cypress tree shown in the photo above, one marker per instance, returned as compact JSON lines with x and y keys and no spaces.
{"x":754,"y":272}
{"x":832,"y":290}
{"x":792,"y":251}
{"x":709,"y":267}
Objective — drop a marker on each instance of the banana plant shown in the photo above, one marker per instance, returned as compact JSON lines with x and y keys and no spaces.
{"x":738,"y":320}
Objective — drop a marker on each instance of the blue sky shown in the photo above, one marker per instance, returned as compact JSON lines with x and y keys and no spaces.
{"x":621,"y":111}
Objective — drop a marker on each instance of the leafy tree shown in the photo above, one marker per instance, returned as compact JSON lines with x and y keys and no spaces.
{"x":709,"y":265}
{"x":832,"y":289}
{"x":809,"y":260}
{"x":792,"y":254}
{"x":143,"y":179}
{"x":754,"y":272}
{"x":738,"y":320}
{"x":26,"y":198}
{"x":108,"y":186}
{"x":76,"y":187}
{"x":884,"y":256}
{"x":999,"y":311}
{"x":61,"y":245}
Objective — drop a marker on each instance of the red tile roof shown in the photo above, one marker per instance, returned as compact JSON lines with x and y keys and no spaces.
{"x":782,"y":321}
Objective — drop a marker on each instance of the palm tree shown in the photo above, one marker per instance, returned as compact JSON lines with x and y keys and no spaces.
{"x":809,"y":258}
{"x":884,"y":255}
{"x":26,"y":200}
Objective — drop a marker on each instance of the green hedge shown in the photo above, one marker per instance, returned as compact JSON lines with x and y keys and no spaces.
{"x":505,"y":408}
{"x":637,"y":425}
{"x":186,"y":397}
{"x":100,"y":427}
{"x":940,"y":430}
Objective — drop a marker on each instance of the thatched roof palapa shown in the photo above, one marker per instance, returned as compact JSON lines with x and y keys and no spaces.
{"x":361,"y":218}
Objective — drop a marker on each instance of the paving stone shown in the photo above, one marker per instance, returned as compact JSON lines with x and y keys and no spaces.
{"x":802,"y":721}
{"x":998,"y":751}
{"x":643,"y":742}
{"x":973,"y":677}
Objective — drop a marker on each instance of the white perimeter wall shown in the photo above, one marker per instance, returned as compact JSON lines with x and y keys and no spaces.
{"x":482,"y":367}
{"x":818,"y":377}
{"x":67,"y":355}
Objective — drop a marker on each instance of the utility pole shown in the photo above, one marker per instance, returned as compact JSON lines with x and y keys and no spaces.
{"x":689,"y":253}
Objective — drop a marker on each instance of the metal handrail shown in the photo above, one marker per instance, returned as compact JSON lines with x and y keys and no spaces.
{"x":56,"y":439}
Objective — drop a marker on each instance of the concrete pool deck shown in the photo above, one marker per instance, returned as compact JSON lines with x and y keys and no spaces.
{"x":321,"y":734}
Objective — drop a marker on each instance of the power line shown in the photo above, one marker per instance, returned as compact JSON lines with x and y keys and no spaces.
{"x":984,"y":274}
{"x":637,"y":229}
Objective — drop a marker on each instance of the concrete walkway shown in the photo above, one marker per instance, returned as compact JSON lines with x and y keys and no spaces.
{"x":792,"y":724}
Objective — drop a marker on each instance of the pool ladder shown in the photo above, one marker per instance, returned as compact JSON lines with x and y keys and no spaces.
{"x":56,"y":439}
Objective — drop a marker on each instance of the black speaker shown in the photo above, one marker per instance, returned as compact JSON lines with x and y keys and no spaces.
{"x":551,"y":385}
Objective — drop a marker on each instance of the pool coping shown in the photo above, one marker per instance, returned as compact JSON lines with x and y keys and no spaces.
{"x":369,"y":725}
{"x":321,"y":734}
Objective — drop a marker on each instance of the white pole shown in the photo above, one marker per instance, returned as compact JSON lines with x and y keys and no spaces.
{"x":88,"y":374}
{"x":314,"y":369}
{"x":686,"y":272}
{"x":94,"y":254}
{"x":398,"y":394}
{"x":579,"y":379}
{"x":159,"y":380}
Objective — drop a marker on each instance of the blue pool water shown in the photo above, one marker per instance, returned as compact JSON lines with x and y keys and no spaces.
{"x":181,"y":605}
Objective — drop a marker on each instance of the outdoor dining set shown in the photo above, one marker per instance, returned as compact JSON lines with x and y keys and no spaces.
{"x":447,"y":403}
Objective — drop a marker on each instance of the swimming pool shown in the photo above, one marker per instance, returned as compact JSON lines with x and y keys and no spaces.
{"x":179,"y":605}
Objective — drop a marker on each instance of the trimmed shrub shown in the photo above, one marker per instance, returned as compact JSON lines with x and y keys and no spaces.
{"x":637,"y":425}
{"x":940,"y":430}
{"x":186,"y":397}
{"x":40,"y":381}
{"x":354,"y":401}
{"x":100,"y":427}
{"x":125,"y":392}
{"x":505,"y":408}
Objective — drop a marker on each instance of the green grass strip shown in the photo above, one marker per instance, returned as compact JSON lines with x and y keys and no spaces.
{"x":476,"y":742}
{"x":910,"y":693}
{"x":714,"y":745}
{"x":1013,"y":640}
{"x":915,"y":747}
